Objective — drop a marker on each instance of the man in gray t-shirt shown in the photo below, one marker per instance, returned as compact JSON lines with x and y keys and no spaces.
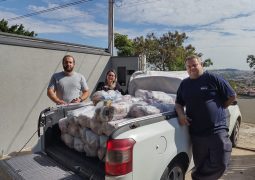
{"x":68,"y":86}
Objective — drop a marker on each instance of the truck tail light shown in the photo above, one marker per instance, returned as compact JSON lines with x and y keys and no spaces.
{"x":119,"y":157}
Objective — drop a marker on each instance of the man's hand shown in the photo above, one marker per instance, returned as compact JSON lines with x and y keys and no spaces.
{"x":230,"y":100}
{"x":76,"y":100}
{"x":82,"y":98}
{"x":184,"y":120}
{"x":52,"y":95}
{"x":61,"y":102}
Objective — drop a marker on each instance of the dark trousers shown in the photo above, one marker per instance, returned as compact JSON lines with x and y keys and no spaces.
{"x":211,"y":156}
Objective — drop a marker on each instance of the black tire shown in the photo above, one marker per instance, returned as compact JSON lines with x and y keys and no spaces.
{"x":175,"y":171}
{"x":235,"y":134}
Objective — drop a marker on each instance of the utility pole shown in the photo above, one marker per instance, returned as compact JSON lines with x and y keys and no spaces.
{"x":111,"y":27}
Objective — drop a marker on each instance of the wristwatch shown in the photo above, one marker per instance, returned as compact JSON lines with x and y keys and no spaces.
{"x":80,"y":99}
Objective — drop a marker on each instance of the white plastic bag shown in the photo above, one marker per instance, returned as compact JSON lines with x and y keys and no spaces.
{"x":82,"y":115}
{"x":140,"y":111}
{"x":68,"y":140}
{"x":73,"y":129}
{"x":83,"y":134}
{"x":78,"y":144}
{"x":163,"y":107}
{"x":112,"y":112}
{"x":63,"y":125}
{"x":96,"y":127}
{"x":92,"y":139}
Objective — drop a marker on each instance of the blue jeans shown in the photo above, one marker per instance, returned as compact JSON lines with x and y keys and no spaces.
{"x":211,"y":156}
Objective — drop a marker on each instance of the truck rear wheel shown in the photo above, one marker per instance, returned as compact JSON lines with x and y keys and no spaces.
{"x":235,"y":134}
{"x":175,"y":171}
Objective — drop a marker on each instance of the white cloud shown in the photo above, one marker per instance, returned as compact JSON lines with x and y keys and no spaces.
{"x":222,"y":30}
{"x":35,"y":25}
{"x":67,"y":20}
{"x":73,"y":20}
{"x":182,"y":12}
{"x":92,"y":29}
{"x":6,"y":14}
{"x":225,"y":51}
{"x":64,"y":13}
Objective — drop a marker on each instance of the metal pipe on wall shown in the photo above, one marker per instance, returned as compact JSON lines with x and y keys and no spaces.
{"x":111,"y":27}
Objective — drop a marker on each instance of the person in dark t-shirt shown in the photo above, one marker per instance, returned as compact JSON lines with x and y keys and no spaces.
{"x":206,"y":97}
{"x":110,"y":83}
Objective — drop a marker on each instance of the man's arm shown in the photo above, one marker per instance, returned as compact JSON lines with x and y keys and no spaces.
{"x":183,"y":119}
{"x":230,"y":100}
{"x":83,"y":97}
{"x":85,"y":91}
{"x":52,"y":95}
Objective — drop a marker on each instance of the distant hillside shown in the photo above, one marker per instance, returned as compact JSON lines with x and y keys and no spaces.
{"x":243,"y":81}
{"x":234,"y":74}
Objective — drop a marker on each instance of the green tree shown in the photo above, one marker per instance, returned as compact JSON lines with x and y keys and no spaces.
{"x":124,"y":45}
{"x":251,"y":61}
{"x":166,"y":52}
{"x":15,"y":29}
{"x":162,"y":53}
{"x":207,"y":63}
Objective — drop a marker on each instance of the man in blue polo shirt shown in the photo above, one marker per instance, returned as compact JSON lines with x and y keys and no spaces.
{"x":206,"y":97}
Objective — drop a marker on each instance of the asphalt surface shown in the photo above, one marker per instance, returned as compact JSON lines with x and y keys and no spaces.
{"x":246,"y":105}
{"x":241,"y":167}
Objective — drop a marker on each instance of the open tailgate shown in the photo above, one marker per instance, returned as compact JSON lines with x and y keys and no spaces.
{"x":34,"y":167}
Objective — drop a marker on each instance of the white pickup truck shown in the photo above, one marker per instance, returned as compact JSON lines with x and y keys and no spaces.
{"x":153,"y":147}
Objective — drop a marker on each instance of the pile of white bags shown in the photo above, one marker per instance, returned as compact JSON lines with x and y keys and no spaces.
{"x":111,"y":112}
{"x":87,"y":129}
{"x":106,"y":95}
{"x":158,"y":96}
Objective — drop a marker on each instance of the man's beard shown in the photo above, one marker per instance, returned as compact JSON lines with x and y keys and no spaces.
{"x":68,"y":69}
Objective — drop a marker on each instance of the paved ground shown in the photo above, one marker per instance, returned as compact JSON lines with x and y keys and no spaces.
{"x":242,"y":165}
{"x":246,"y":105}
{"x":247,"y":136}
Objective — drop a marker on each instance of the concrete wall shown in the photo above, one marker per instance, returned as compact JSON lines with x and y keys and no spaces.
{"x":26,"y":65}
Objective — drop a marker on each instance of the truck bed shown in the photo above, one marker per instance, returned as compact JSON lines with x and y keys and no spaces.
{"x":57,"y":162}
{"x":78,"y":162}
{"x":86,"y":167}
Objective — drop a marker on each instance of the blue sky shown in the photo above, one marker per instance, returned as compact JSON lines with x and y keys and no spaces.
{"x":222,"y":30}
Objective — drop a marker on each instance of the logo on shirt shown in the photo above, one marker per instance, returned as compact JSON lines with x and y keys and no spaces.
{"x":203,"y":88}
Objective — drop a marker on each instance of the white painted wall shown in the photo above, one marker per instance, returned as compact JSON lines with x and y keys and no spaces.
{"x":26,"y":65}
{"x":24,"y":75}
